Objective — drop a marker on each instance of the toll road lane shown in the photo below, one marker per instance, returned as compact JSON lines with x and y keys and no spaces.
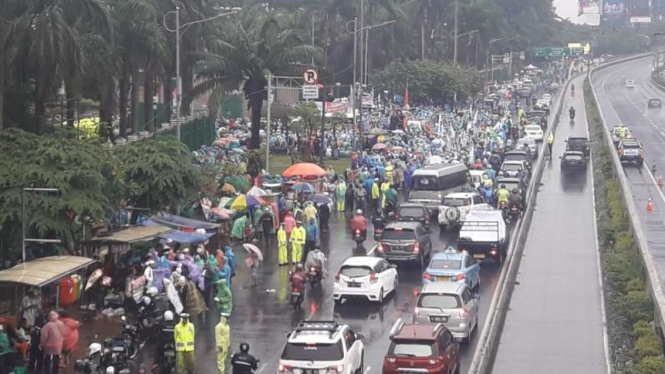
{"x":629,"y":106}
{"x":262,"y":315}
{"x":559,"y":269}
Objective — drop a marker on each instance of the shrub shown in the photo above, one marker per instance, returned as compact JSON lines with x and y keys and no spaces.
{"x":635,"y":285}
{"x":642,"y":328}
{"x":652,"y":365}
{"x":647,"y":345}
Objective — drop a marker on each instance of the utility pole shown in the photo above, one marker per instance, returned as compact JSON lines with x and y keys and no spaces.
{"x":455,"y":44}
{"x":353,"y":85}
{"x":324,"y":100}
{"x":361,"y":29}
{"x":366,"y":55}
{"x":177,"y":72}
{"x":268,"y":123}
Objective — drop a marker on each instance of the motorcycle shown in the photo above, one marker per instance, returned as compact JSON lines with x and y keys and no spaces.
{"x":503,"y":206}
{"x":167,"y":364}
{"x":314,"y":276}
{"x":572,"y":115}
{"x":513,"y":214}
{"x":297,"y":297}
{"x":359,"y":237}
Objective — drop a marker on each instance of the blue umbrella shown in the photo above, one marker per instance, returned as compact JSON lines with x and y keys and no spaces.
{"x":303,"y":187}
{"x":253,"y":201}
{"x":320,"y":199}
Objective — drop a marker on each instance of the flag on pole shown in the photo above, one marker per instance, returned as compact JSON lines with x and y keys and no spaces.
{"x":406,"y":96}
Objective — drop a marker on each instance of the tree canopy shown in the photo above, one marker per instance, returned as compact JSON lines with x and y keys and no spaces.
{"x":428,"y":81}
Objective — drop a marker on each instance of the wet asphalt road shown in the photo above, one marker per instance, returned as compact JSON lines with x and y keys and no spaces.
{"x":629,"y":105}
{"x":555,"y":322}
{"x":262,"y":316}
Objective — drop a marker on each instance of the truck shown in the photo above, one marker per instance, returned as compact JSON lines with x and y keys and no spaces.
{"x":483,"y":235}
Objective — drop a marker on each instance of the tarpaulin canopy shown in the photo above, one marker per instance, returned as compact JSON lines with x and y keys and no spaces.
{"x":180,"y":221}
{"x":134,"y":234}
{"x":185,"y":237}
{"x":45,"y":270}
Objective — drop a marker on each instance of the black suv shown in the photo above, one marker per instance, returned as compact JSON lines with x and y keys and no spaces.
{"x":412,"y":213}
{"x":578,"y":144}
{"x":572,"y":161}
{"x":405,"y":241}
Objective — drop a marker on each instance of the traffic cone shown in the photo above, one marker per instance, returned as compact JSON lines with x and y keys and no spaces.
{"x":660,"y":181}
{"x":649,"y":205}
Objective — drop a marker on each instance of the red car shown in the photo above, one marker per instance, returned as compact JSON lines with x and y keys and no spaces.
{"x":421,"y":348}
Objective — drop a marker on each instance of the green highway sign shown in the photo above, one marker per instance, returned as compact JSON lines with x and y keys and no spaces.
{"x":556,"y":51}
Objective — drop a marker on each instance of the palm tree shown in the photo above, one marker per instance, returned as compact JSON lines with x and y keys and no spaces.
{"x":49,"y":41}
{"x":250,"y":46}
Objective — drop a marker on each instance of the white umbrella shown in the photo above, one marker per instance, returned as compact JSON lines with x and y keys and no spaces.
{"x":256,"y":191}
{"x":251,"y":248}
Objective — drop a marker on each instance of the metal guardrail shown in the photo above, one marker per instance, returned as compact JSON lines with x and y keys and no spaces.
{"x":483,"y":358}
{"x":653,"y":284}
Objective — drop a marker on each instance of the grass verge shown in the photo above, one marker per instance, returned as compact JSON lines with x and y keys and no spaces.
{"x":634,"y":345}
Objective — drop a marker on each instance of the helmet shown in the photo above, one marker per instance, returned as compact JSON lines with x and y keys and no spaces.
{"x":110,"y":370}
{"x":168,"y":315}
{"x":299,"y":266}
{"x":244,"y":347}
{"x":152,"y":291}
{"x":147,"y":300}
{"x":359,"y":211}
{"x":515,"y":190}
{"x":94,"y":348}
{"x":503,"y":186}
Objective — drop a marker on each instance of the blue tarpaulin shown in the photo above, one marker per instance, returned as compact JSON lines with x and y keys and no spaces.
{"x":179,"y":221}
{"x":185,"y":237}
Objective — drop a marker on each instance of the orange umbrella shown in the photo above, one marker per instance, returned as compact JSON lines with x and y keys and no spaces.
{"x":303,"y":169}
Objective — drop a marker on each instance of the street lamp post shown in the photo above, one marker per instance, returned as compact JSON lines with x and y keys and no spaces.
{"x":358,"y":88}
{"x":456,"y":40}
{"x":489,"y":53}
{"x":178,"y":34}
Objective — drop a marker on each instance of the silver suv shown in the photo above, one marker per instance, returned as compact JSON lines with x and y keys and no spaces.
{"x":449,"y":303}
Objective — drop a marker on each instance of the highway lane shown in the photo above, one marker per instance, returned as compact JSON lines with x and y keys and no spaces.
{"x":262,"y":316}
{"x":621,"y":105}
{"x":556,"y":316}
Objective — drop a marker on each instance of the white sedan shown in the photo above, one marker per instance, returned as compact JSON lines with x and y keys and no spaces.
{"x":371,"y":278}
{"x":534,"y":132}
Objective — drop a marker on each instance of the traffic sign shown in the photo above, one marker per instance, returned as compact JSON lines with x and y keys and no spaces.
{"x":311,"y":77}
{"x":310,"y":91}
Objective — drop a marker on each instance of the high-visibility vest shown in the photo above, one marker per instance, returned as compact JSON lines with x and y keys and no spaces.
{"x":298,"y":235}
{"x":184,"y":337}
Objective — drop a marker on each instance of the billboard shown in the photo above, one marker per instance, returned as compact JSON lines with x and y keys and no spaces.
{"x":589,"y":7}
{"x":639,"y":11}
{"x":589,"y":12}
{"x":658,"y":9}
{"x":614,"y":10}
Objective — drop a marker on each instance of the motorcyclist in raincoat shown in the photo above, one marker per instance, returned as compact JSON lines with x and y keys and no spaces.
{"x":317,"y":259}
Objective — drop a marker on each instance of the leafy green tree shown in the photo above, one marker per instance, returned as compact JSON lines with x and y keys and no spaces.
{"x":79,"y":169}
{"x":428,"y":81}
{"x":158,"y":174}
{"x":247,"y":48}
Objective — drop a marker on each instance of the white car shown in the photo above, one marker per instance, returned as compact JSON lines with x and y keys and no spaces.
{"x":367,"y":277}
{"x":547,"y":97}
{"x":630,"y":83}
{"x":534,"y":132}
{"x":457,"y":205}
{"x":477,"y":177}
{"x":322,"y":347}
{"x":513,"y":168}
